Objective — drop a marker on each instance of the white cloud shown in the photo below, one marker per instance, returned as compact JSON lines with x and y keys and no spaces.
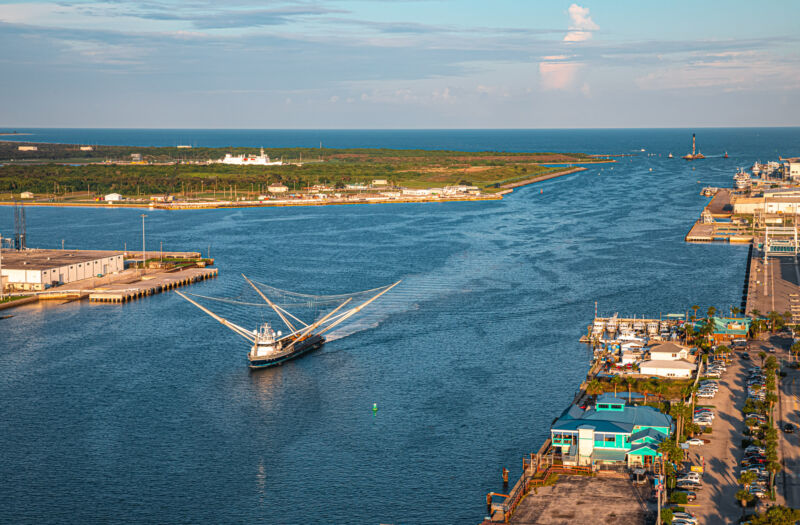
{"x":556,"y":75}
{"x":582,"y":24}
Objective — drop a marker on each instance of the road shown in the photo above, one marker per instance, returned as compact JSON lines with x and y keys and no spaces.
{"x":789,"y":444}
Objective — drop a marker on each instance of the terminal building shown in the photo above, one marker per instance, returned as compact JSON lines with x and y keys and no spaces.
{"x":36,"y":270}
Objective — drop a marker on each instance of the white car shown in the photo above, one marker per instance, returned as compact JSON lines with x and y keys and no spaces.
{"x":691,"y":476}
{"x":695,"y":441}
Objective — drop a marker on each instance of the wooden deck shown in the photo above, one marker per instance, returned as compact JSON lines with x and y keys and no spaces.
{"x":153,"y":284}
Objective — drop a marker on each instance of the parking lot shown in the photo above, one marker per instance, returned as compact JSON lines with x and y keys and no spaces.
{"x":716,"y":502}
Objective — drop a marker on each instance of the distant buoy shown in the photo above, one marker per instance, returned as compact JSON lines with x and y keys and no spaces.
{"x":374,"y":407}
{"x":541,"y":191}
{"x":651,"y":169}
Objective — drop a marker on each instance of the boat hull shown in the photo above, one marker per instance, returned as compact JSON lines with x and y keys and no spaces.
{"x":301,"y":348}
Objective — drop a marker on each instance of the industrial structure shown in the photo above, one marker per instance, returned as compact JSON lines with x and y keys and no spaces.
{"x":694,"y":155}
{"x":36,"y":270}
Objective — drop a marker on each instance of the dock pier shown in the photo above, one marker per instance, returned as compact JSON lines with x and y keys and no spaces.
{"x":161,"y":282}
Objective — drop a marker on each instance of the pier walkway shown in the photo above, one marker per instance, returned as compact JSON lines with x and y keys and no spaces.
{"x":151,"y":284}
{"x":774,"y":286}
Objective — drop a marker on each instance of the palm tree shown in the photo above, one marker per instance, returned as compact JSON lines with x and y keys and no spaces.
{"x":763,"y":355}
{"x":773,"y":467}
{"x":795,"y":349}
{"x":744,"y":496}
{"x":774,"y":317}
{"x":616,"y":381}
{"x":630,"y":382}
{"x":594,"y":387}
{"x":688,"y":333}
{"x":755,"y":313}
{"x":710,"y":312}
{"x":695,"y":308}
{"x":677,"y":410}
{"x":735,"y":311}
{"x":646,"y":386}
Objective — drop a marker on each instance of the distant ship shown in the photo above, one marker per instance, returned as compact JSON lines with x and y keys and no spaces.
{"x":250,"y":160}
{"x":669,"y":156}
{"x":741,"y":179}
{"x":694,"y":155}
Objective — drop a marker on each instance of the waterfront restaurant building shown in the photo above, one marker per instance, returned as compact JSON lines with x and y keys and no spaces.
{"x":610,"y":433}
{"x":728,"y":328}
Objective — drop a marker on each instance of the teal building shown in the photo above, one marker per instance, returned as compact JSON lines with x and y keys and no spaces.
{"x":611,"y":432}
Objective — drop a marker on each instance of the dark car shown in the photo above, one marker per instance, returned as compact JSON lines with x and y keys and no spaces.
{"x":788,"y":428}
{"x":745,"y":355}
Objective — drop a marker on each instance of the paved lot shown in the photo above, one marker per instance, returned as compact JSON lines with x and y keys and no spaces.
{"x":716,"y":502}
{"x":578,"y":499}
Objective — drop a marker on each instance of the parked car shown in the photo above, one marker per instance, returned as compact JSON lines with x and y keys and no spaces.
{"x":788,"y":428}
{"x":689,"y":485}
{"x":683,"y":515}
{"x":745,"y":355}
{"x":691,"y":476}
{"x":757,"y":491}
{"x":679,"y":521}
{"x":695,"y":441}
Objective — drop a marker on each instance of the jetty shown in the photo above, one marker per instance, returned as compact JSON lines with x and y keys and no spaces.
{"x":102,"y":276}
{"x":152,"y":284}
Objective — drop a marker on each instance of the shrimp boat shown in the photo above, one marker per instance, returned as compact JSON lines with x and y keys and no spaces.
{"x":270,"y":348}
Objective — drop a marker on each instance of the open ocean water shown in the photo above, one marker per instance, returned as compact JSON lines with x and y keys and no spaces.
{"x":147,"y":412}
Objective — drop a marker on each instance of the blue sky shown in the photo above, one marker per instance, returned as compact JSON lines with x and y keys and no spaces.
{"x":399,"y":64}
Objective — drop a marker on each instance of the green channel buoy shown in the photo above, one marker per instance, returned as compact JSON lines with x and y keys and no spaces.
{"x":374,"y":407}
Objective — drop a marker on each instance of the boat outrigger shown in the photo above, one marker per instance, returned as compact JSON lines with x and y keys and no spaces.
{"x":270,"y":348}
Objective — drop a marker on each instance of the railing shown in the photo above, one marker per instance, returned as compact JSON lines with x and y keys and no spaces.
{"x":531,"y":477}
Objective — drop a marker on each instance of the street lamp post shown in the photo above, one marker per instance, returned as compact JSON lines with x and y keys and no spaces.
{"x":144,"y":251}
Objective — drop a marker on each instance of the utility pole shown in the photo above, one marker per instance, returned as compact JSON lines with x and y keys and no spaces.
{"x":144,"y":252}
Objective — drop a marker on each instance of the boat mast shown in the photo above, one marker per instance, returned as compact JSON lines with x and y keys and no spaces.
{"x":308,"y":330}
{"x":358,"y":308}
{"x":247,"y":334}
{"x":272,"y":305}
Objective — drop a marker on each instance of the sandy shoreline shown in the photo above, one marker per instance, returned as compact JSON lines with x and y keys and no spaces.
{"x":508,"y":188}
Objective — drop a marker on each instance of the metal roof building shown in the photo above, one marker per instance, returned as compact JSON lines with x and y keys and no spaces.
{"x":40,"y":269}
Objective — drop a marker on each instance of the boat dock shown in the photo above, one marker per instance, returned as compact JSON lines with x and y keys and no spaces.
{"x":716,"y":223}
{"x":150,"y":285}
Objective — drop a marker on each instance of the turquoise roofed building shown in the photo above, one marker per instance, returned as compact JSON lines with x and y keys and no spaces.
{"x":725,"y":329}
{"x":611,"y":432}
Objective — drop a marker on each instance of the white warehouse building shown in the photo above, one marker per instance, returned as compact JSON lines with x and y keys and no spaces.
{"x":39,"y":269}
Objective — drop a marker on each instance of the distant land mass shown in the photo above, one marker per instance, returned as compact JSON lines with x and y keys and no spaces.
{"x":62,"y":168}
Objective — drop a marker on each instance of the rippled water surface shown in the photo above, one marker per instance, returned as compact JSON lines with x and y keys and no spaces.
{"x":147,"y":412}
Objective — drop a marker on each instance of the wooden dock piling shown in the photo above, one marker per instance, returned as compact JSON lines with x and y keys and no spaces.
{"x":161,"y":282}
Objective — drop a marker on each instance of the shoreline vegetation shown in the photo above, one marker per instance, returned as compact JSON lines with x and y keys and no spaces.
{"x":182,"y":178}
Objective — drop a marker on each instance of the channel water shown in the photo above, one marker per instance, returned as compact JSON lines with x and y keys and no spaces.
{"x":147,"y":412}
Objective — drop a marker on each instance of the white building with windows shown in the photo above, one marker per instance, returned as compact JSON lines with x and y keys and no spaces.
{"x":39,"y":269}
{"x":678,"y":369}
